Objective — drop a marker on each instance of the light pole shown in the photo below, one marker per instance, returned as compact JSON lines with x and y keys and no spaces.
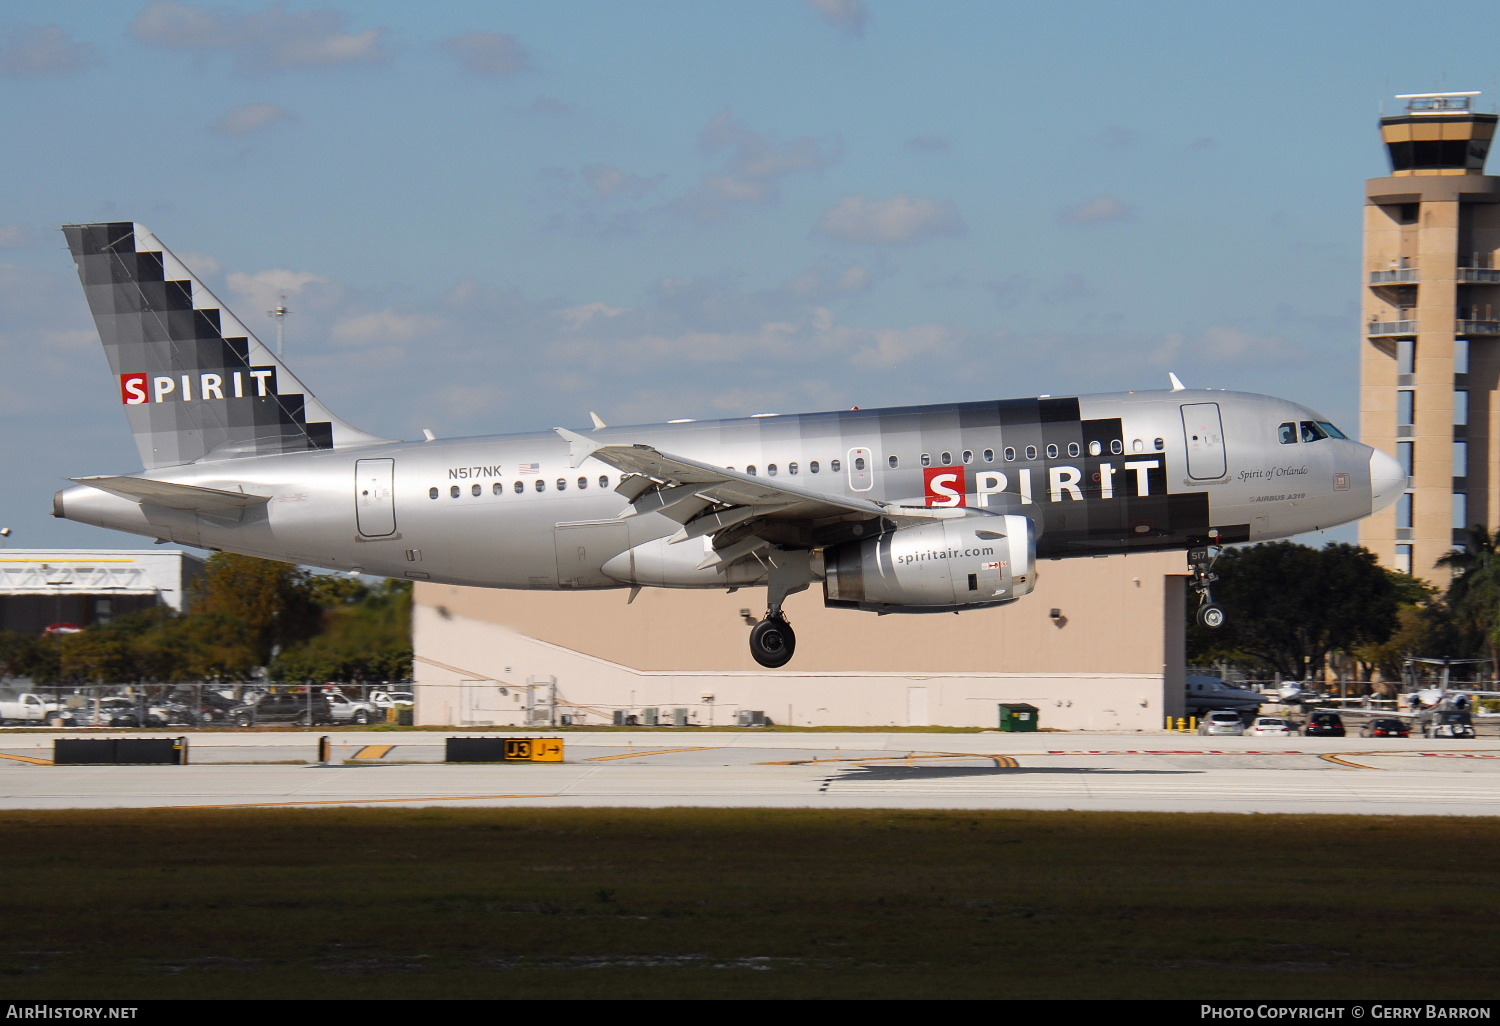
{"x":280,"y":316}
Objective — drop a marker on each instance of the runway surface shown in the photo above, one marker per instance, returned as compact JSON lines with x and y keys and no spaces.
{"x":1125,"y":772}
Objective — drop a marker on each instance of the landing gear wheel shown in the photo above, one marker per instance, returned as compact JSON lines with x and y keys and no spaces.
{"x":772,"y":642}
{"x":1211,"y":616}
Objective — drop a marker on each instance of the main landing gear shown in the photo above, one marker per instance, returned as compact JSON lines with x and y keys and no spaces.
{"x":1201,"y":563}
{"x":772,"y":640}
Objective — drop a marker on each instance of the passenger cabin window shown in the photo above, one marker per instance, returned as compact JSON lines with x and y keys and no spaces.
{"x":1161,"y":444}
{"x":1136,"y":445}
{"x":1052,"y":451}
{"x":603,"y":481}
{"x":968,"y":456}
{"x":947,"y":459}
{"x":1287,"y":433}
{"x":859,"y":463}
{"x":812,"y":468}
{"x":562,"y":484}
{"x":1010,"y":454}
{"x":989,"y":455}
{"x":926,"y":460}
{"x":520,"y":487}
{"x":474,"y":491}
{"x":583,"y":482}
{"x":432,"y":493}
{"x":1095,"y":448}
{"x":1117,"y":446}
{"x":835,"y":466}
{"x":750,"y":469}
{"x":791,"y":468}
{"x":498,"y":489}
{"x":1031,"y":452}
{"x":453,"y":492}
{"x":893,"y":461}
{"x":541,"y":485}
{"x":770,"y":470}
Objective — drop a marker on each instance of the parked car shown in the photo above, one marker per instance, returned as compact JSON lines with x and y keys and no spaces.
{"x":218,"y":709}
{"x":1270,"y":726}
{"x":1449,"y":724}
{"x":344,"y":709}
{"x":1323,"y":724}
{"x":1384,"y":727}
{"x":392,"y":699}
{"x":1222,"y":721}
{"x":301,"y":707}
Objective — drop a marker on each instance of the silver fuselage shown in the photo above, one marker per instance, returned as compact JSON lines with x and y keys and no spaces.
{"x":1099,"y":474}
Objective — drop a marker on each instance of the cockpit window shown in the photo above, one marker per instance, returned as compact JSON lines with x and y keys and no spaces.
{"x":1288,"y":433}
{"x":1311,"y":432}
{"x":1333,"y":432}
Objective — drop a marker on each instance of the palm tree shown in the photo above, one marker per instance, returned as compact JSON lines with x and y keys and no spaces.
{"x":1474,"y":591}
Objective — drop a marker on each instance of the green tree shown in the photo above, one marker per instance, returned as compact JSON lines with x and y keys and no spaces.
{"x":363,"y":641}
{"x":1474,"y":591}
{"x":241,"y":603}
{"x":1289,"y":605}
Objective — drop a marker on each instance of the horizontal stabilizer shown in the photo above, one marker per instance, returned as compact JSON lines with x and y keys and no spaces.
{"x":174,"y":496}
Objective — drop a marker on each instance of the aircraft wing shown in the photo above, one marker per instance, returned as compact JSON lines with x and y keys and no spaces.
{"x":742,"y":512}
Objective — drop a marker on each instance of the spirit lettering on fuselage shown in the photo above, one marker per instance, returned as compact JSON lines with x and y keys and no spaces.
{"x":947,"y":486}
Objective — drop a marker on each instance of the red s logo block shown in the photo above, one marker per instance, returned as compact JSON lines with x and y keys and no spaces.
{"x":945,"y":486}
{"x":133,"y":389}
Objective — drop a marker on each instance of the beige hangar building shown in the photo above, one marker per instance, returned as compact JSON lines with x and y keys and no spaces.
{"x":1097,"y":646}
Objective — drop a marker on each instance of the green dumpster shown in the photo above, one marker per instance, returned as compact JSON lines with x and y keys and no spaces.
{"x":1017,"y":717}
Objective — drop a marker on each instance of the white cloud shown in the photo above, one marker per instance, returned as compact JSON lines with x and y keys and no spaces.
{"x":382,"y":326}
{"x":1222,"y":344}
{"x":753,"y":167}
{"x":895,"y":221}
{"x":262,"y":42}
{"x":13,"y":236}
{"x":263,"y":290}
{"x":1097,"y":210}
{"x":251,"y":118}
{"x":489,"y":53}
{"x":848,"y":16}
{"x":43,"y":51}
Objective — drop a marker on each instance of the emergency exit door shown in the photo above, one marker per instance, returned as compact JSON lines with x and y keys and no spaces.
{"x":375,"y":497}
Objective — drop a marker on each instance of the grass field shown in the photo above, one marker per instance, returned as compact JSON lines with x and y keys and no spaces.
{"x":698,"y":903}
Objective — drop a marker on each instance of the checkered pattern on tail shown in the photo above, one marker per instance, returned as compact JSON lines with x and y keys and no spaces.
{"x":195,"y":382}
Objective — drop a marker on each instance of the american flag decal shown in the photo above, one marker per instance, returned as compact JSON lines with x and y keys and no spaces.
{"x":530,"y":468}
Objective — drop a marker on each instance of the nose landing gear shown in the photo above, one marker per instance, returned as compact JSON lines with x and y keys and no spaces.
{"x":1201,"y":562}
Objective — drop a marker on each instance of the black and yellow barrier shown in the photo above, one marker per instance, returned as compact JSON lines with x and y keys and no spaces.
{"x":504,"y":749}
{"x":115,"y":751}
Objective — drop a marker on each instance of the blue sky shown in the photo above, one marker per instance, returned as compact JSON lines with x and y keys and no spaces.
{"x":497,"y":216}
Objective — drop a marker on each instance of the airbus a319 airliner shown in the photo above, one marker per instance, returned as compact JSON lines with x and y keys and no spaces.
{"x":916,"y":509}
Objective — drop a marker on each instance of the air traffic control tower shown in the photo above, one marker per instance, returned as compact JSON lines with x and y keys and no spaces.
{"x":1430,"y":365}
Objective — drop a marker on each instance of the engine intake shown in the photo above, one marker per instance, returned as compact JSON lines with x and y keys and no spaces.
{"x":936,"y":567}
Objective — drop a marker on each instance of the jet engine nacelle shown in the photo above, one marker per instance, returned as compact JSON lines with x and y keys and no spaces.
{"x":942,"y":566}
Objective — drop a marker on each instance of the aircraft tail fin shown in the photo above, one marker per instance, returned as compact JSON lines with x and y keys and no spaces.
{"x":195,"y":381}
